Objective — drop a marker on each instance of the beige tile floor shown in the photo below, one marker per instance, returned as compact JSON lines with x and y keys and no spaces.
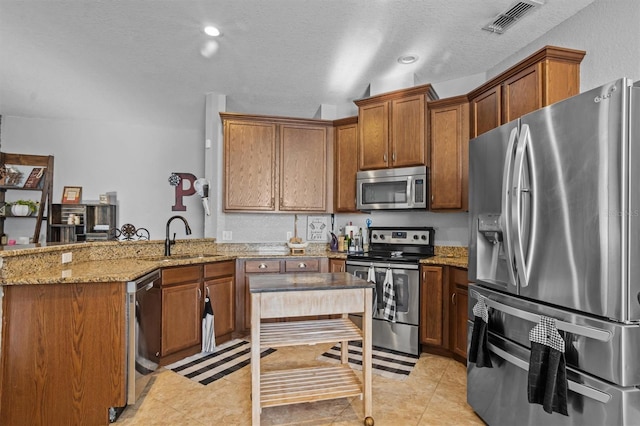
{"x":433,"y":394}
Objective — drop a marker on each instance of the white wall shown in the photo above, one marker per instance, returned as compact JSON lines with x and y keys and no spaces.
{"x":134,"y":161}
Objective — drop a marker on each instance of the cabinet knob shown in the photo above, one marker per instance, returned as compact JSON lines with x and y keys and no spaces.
{"x":302,"y":265}
{"x":393,"y":157}
{"x":384,"y":157}
{"x":262,"y":266}
{"x":453,"y":299}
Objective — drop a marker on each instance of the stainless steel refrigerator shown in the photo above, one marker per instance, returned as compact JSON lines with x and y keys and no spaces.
{"x":554,"y":201}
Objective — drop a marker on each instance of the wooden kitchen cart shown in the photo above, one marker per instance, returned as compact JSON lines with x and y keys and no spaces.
{"x":309,"y":294}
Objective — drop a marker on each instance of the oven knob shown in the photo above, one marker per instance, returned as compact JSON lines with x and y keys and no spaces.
{"x":415,"y":237}
{"x":424,"y":237}
{"x":375,"y":236}
{"x":382,"y":236}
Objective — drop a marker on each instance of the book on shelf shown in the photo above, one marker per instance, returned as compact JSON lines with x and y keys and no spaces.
{"x":35,"y":177}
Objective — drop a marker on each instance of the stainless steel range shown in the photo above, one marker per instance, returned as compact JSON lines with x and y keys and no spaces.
{"x":398,"y":250}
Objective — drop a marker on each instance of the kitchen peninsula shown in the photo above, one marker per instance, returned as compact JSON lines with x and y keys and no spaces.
{"x":69,"y":320}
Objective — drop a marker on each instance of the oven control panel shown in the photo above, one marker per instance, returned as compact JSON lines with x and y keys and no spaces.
{"x":418,"y":236}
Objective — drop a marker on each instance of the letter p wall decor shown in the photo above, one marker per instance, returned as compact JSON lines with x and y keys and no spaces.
{"x":183,"y":183}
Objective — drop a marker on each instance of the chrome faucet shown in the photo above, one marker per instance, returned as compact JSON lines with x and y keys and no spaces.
{"x":167,"y":241}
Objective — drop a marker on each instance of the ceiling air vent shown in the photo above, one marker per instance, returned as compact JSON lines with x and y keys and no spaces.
{"x":515,"y":12}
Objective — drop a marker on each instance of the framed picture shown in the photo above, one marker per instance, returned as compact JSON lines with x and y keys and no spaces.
{"x":71,"y":195}
{"x":317,"y":229}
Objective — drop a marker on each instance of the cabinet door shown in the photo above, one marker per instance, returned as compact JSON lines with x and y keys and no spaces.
{"x":249,"y":165}
{"x":486,"y":111}
{"x":408,"y":145}
{"x":337,"y":265}
{"x":346,"y":167}
{"x":181,"y":317}
{"x":303,"y":168}
{"x":431,"y":308}
{"x":221,"y":292}
{"x":373,"y":144}
{"x":458,"y":318}
{"x":449,"y":157}
{"x":522,"y":93}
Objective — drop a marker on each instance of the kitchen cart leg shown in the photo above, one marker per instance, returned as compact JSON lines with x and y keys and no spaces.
{"x":255,"y":359}
{"x":366,"y":354}
{"x":344,"y":348}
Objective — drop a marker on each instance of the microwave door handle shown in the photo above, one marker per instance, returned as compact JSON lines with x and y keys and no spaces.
{"x":409,"y":197}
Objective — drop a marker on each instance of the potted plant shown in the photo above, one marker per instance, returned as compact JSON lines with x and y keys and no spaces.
{"x":23,"y":207}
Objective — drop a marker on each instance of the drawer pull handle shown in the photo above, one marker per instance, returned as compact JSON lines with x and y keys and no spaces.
{"x":302,"y":265}
{"x":262,"y":266}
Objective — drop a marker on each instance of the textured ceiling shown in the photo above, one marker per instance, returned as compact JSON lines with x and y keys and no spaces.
{"x":140,"y":60}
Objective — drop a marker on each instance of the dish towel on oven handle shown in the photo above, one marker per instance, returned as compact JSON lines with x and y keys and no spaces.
{"x":478,"y":350}
{"x":371,"y":277}
{"x":388,"y":298}
{"x":547,"y":368}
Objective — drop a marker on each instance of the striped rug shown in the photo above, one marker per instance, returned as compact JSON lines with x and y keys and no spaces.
{"x":385,"y":362}
{"x":206,"y":368}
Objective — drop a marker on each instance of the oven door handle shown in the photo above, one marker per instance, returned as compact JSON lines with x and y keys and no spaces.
{"x":367,"y":264}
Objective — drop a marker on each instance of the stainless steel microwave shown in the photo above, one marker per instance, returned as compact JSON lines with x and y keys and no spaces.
{"x":392,"y":189}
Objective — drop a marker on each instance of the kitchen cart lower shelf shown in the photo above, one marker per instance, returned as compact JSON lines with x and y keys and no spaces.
{"x":308,"y":385}
{"x":295,"y":295}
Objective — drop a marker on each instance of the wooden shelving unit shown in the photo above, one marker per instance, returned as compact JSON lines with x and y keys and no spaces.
{"x":44,"y":188}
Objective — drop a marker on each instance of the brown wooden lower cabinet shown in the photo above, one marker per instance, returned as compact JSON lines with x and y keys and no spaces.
{"x":63,"y":353}
{"x":181,"y":312}
{"x":458,"y":281}
{"x":219,"y":286}
{"x":443,"y":310}
{"x":183,"y":292}
{"x":431,"y":313}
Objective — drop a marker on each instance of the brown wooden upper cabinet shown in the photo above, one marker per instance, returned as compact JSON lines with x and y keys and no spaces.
{"x":391,"y":128}
{"x":449,"y":144}
{"x":345,"y":164}
{"x":276,"y":164}
{"x":547,"y":76}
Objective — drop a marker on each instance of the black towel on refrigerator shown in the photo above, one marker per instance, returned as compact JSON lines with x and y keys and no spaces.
{"x":547,"y":368}
{"x":478,"y":350}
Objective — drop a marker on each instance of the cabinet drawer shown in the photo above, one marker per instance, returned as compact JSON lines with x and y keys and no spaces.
{"x":181,"y":274}
{"x":262,"y":266}
{"x":302,"y":265}
{"x":219,"y":269}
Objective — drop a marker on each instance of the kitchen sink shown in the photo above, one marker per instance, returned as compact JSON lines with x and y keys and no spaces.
{"x":179,"y":257}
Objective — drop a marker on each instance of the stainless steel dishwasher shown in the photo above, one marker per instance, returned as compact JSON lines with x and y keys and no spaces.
{"x":144,"y":332}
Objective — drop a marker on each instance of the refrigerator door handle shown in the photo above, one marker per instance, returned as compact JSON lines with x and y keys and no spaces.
{"x":507,"y":176}
{"x":581,"y":330}
{"x":517,"y":191}
{"x":579,"y":388}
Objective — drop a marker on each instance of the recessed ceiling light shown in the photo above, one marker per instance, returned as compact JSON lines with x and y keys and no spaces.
{"x":212,"y":31}
{"x":407,"y":59}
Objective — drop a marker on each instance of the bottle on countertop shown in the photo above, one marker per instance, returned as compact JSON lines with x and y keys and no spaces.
{"x":352,"y":246}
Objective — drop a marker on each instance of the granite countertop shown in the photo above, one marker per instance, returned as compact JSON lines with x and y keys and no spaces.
{"x":305,"y":282}
{"x":121,"y":262}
